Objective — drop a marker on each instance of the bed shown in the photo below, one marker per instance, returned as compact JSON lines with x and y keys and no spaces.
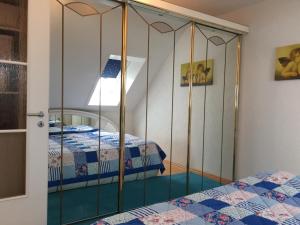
{"x":267,"y":198}
{"x":81,"y":167}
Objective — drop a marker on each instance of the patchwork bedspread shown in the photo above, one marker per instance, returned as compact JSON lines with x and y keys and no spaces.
{"x":81,"y":159}
{"x":266,"y":199}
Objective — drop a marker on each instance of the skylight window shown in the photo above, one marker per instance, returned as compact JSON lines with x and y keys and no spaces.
{"x":112,"y":68}
{"x":110,"y":81}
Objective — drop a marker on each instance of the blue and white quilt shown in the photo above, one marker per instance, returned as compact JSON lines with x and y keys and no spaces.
{"x":81,"y":160}
{"x":265,"y":199}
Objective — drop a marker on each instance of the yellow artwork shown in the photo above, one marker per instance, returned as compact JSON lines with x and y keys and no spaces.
{"x":288,"y":62}
{"x":202,"y":73}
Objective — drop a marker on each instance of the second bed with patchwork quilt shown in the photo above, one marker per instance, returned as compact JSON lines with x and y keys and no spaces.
{"x":82,"y":164}
{"x":265,"y":199}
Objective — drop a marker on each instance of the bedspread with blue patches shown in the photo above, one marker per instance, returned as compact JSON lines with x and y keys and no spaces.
{"x":265,"y":199}
{"x":82,"y":161}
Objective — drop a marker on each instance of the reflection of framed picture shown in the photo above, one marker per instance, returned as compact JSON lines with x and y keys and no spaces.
{"x":288,"y":62}
{"x":202,"y":73}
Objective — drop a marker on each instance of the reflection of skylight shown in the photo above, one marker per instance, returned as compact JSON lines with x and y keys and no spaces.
{"x":110,"y":80}
{"x":112,"y":68}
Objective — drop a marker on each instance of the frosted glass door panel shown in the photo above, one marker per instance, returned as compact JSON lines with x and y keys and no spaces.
{"x":12,"y":96}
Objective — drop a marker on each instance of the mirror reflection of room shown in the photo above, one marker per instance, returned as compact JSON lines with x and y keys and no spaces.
{"x":171,"y":149}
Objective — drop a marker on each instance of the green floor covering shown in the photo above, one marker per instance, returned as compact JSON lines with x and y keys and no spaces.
{"x":82,"y":202}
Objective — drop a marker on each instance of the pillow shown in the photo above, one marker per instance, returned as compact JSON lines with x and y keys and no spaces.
{"x":72,"y":129}
{"x":54,"y":123}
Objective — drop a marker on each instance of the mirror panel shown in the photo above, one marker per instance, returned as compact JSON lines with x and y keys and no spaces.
{"x":110,"y":109}
{"x":81,"y":42}
{"x":197,"y":179}
{"x":229,"y":112}
{"x":179,"y":162}
{"x":136,"y":157}
{"x":81,"y":103}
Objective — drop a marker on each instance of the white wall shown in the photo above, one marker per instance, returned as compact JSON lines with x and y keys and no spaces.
{"x":160,"y":99}
{"x":269,"y":120}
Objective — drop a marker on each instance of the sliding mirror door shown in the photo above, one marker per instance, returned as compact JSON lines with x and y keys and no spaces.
{"x":231,"y":88}
{"x":136,"y":86}
{"x":149,"y":106}
{"x":80,"y":70}
{"x":84,"y":112}
{"x":109,"y":109}
{"x":213,"y":108}
{"x":179,"y":157}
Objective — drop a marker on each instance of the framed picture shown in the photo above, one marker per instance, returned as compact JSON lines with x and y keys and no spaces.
{"x":288,"y":62}
{"x":202,"y":73}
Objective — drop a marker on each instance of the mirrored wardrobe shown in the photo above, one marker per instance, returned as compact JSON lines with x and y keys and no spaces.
{"x":143,"y":107}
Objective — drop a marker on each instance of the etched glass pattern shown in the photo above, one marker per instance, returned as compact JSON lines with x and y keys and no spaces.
{"x":12,"y":96}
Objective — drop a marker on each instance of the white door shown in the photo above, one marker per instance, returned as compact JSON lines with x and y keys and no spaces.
{"x":25,"y":202}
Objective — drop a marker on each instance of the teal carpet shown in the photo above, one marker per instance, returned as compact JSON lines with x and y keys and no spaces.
{"x":82,"y":202}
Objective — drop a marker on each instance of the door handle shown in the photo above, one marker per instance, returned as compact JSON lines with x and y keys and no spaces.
{"x":39,"y":114}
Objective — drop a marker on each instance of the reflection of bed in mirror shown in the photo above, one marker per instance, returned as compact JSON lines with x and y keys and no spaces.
{"x":81,"y":164}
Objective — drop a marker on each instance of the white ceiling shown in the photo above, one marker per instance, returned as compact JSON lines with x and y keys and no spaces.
{"x":213,"y":7}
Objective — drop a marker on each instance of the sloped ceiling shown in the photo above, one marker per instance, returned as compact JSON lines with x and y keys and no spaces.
{"x":213,"y":7}
{"x":82,"y":55}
